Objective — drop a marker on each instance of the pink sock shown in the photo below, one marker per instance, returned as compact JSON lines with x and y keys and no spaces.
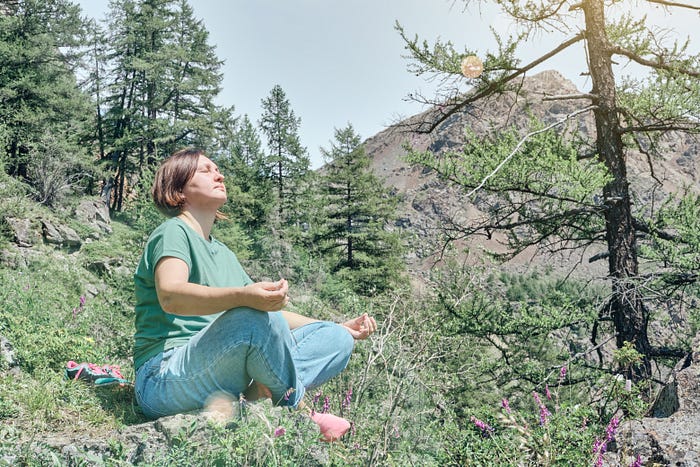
{"x":332,"y":427}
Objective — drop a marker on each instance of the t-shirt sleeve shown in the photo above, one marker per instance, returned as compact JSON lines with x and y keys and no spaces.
{"x":171,"y":241}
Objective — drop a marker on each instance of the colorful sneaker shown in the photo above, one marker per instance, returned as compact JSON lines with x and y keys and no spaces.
{"x":96,"y":374}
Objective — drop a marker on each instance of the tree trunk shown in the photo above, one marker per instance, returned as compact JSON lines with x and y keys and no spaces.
{"x":626,"y":305}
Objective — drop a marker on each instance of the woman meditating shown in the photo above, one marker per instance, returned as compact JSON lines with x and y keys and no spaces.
{"x":203,"y":327}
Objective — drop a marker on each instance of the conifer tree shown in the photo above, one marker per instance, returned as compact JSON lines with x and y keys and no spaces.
{"x":287,"y":162}
{"x":242,"y":161}
{"x":163,"y":77}
{"x":42,"y":110}
{"x":355,"y":213}
{"x":547,"y":201}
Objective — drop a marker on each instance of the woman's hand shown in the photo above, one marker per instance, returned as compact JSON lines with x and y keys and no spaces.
{"x":267,"y":296}
{"x":361,"y":327}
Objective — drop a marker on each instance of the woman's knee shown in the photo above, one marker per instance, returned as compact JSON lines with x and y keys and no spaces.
{"x":343,"y":343}
{"x":253,"y":321}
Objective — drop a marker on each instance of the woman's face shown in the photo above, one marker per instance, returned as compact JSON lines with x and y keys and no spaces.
{"x":205,"y":190}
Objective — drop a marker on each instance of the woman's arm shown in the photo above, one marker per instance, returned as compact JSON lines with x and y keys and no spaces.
{"x":180,"y":297}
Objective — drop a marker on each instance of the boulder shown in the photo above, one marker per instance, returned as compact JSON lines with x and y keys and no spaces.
{"x":94,"y":213}
{"x":669,"y":435}
{"x":59,"y":234}
{"x":8,"y":361}
{"x":25,"y":232}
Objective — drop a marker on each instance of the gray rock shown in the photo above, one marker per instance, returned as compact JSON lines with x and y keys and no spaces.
{"x":51,"y":233}
{"x":8,"y":356}
{"x":25,"y":232}
{"x":59,"y":234}
{"x":70,"y":236}
{"x":669,"y":436}
{"x":94,"y":213}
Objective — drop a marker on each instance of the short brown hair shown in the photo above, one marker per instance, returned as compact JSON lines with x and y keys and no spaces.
{"x":171,"y":178}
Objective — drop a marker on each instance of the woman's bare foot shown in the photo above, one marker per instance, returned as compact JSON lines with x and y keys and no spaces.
{"x":332,"y":427}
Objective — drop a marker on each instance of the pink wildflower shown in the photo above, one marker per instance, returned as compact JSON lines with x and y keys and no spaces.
{"x":544,"y":412}
{"x":611,"y":429}
{"x":506,"y":405}
{"x":348,"y":398}
{"x":326,"y":405}
{"x":486,"y":430}
{"x":562,"y":374}
{"x":279,"y":431}
{"x":547,"y":393}
{"x":637,"y":462}
{"x":599,"y":448}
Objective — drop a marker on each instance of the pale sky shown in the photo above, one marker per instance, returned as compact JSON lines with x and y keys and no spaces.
{"x":342,"y":62}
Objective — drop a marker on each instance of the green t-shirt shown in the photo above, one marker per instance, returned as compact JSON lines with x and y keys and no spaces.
{"x":210,"y":263}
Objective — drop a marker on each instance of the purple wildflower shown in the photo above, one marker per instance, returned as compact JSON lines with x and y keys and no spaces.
{"x":611,"y":429}
{"x":79,"y":308}
{"x":279,"y":431}
{"x":317,"y":396}
{"x":637,"y":461}
{"x":562,"y":374}
{"x":326,"y":405}
{"x":547,"y":393}
{"x":544,"y":412}
{"x":486,"y":430}
{"x":348,"y":398}
{"x":506,"y":405}
{"x":599,"y":448}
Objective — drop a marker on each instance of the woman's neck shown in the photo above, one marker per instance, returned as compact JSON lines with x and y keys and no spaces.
{"x":201,"y":223}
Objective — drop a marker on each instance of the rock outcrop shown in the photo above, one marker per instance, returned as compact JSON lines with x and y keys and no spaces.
{"x":670,"y":435}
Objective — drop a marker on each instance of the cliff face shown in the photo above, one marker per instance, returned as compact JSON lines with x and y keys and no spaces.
{"x":428,"y":202}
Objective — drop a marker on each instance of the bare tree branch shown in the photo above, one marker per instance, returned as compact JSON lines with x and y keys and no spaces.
{"x":564,"y":97}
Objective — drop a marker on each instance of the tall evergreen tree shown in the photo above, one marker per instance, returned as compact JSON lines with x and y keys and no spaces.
{"x":287,"y":162}
{"x":629,"y":114}
{"x":163,"y":77}
{"x":40,"y":102}
{"x":355,"y":211}
{"x":241,"y":159}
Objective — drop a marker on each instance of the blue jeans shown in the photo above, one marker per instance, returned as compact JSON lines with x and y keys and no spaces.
{"x":239,"y":346}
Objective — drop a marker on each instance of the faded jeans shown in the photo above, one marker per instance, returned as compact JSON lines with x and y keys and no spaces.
{"x":239,"y":346}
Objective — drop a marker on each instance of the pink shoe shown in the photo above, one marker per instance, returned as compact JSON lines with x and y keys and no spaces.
{"x":332,"y":427}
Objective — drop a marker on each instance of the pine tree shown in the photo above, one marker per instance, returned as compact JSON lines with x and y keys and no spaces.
{"x":242,"y":162}
{"x":163,"y":77}
{"x":355,"y":213}
{"x":42,"y":110}
{"x":629,"y":114}
{"x":287,"y":163}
